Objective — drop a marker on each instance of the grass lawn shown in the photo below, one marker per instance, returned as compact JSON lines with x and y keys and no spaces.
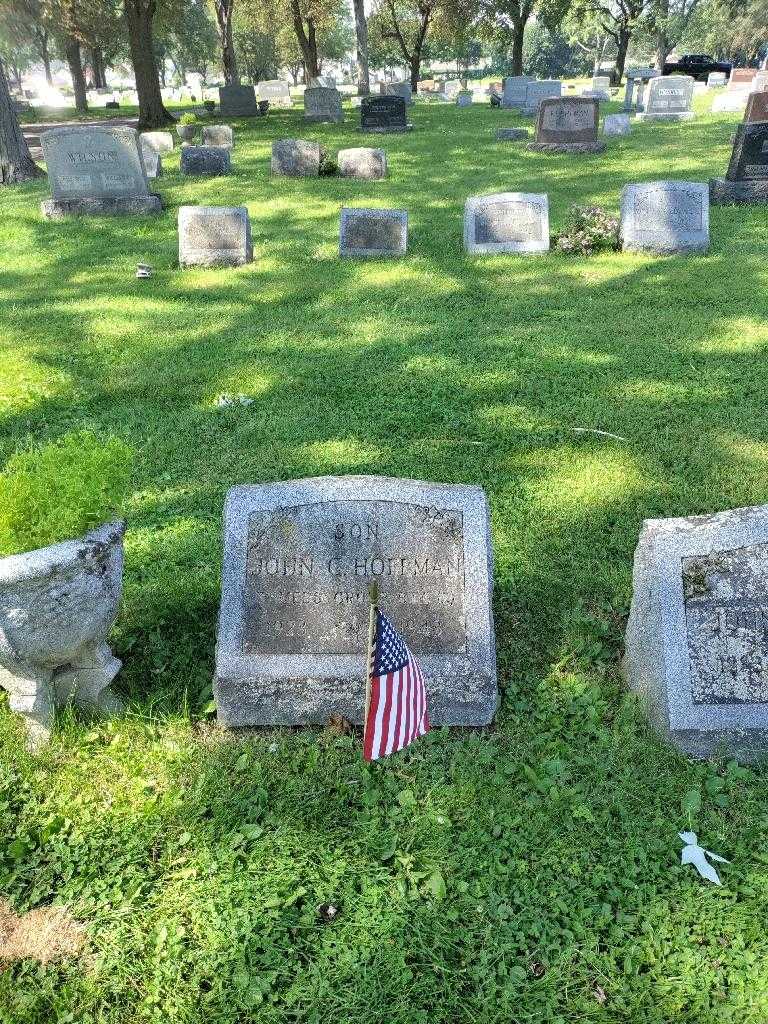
{"x":528,"y":873}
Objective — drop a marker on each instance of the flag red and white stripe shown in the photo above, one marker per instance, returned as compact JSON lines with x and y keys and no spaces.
{"x":397,"y":707}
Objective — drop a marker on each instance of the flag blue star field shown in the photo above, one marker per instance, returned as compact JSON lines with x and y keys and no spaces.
{"x":397,"y":711}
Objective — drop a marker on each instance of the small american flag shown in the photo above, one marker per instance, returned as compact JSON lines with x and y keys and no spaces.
{"x":397,"y":706}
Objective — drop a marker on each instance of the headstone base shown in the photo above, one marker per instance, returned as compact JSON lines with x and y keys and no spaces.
{"x":115,"y":206}
{"x":723,"y":192}
{"x":566,"y":147}
{"x":683,"y":115}
{"x":323,"y":119}
{"x":388,"y":130}
{"x":512,"y":134}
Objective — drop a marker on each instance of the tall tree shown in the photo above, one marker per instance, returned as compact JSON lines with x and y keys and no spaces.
{"x":405,"y":24}
{"x":24,"y":22}
{"x":225,"y":10}
{"x":669,"y":20}
{"x":361,"y":39}
{"x":505,"y":21}
{"x":16,"y":164}
{"x":139,"y":17}
{"x":618,"y":19}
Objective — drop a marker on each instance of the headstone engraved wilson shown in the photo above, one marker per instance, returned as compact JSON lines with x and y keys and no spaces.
{"x":383,"y":114}
{"x":669,"y":99}
{"x":298,"y":560}
{"x":96,"y":170}
{"x":746,"y":180}
{"x":697,"y":637}
{"x":665,"y":217}
{"x":506,"y":222}
{"x":568,"y":125}
{"x":365,"y":232}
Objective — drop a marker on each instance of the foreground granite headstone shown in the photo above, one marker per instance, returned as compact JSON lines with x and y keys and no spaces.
{"x":506,"y":222}
{"x":205,"y":160}
{"x":323,"y":105}
{"x":277,"y":92}
{"x":665,"y":217}
{"x":746,"y":180}
{"x":383,"y":114}
{"x":362,"y":162}
{"x":95,"y":170}
{"x":669,"y":99}
{"x":161,"y":142}
{"x":296,"y":158}
{"x":515,"y":88}
{"x":218,"y":135}
{"x":568,"y":125}
{"x":214,"y":236}
{"x":541,"y":90}
{"x":298,"y":561}
{"x":237,"y":101}
{"x":617,"y":124}
{"x":697,"y":637}
{"x":364,"y":232}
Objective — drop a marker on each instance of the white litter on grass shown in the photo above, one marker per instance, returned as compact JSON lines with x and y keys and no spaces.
{"x":600,"y":433}
{"x":224,"y":400}
{"x":694,"y":854}
{"x":143,"y":270}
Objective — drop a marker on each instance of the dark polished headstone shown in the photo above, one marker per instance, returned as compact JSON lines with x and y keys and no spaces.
{"x":747,"y":178}
{"x":383,"y":114}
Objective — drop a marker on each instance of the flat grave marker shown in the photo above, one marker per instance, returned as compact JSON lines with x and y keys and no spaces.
{"x":371,"y":233}
{"x":665,"y":217}
{"x":516,"y":222}
{"x":214,"y":236}
{"x":205,"y":161}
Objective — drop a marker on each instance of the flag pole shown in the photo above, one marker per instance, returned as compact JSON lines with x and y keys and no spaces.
{"x":373,"y":595}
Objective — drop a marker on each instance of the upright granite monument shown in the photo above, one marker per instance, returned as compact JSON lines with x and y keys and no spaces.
{"x":746,"y":180}
{"x":298,"y":561}
{"x":757,"y":108}
{"x":665,"y":217}
{"x":506,"y":222}
{"x":276,"y":92}
{"x":296,"y":158}
{"x":95,"y":170}
{"x":237,"y":101}
{"x":697,"y":637}
{"x":323,"y":105}
{"x":515,"y":88}
{"x":364,"y":232}
{"x":669,"y":99}
{"x":400,"y":89}
{"x":383,"y":114}
{"x":535,"y":92}
{"x":568,"y":125}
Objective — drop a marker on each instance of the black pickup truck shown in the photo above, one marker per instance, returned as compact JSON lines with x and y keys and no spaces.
{"x":697,"y":65}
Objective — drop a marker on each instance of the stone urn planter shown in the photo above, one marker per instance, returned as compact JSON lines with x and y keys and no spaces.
{"x":186,"y":132}
{"x":57,"y":605}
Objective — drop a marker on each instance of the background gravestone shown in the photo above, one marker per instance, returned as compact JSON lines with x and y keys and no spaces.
{"x":323,"y":105}
{"x":214,"y":236}
{"x":716,"y":80}
{"x":218,"y":135}
{"x":541,"y":90}
{"x":152,"y":163}
{"x":237,"y":101}
{"x":161,"y":142}
{"x":741,"y":77}
{"x":464,"y":99}
{"x":665,"y":217}
{"x":400,"y":89}
{"x":746,"y":180}
{"x":617,"y":124}
{"x":506,"y":222}
{"x":364,"y":232}
{"x":515,"y":88}
{"x":296,"y":158}
{"x":277,"y":93}
{"x":568,"y":125}
{"x":669,"y":99}
{"x":205,"y":160}
{"x":95,"y":170}
{"x":697,"y":636}
{"x":600,"y":88}
{"x":363,"y":163}
{"x":298,"y":561}
{"x":383,"y":114}
{"x":757,"y":108}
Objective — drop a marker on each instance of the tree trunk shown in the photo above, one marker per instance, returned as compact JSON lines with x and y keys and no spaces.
{"x":625,"y":34}
{"x":662,"y":42}
{"x":97,"y":62}
{"x":41,"y":41}
{"x":138,"y":17}
{"x":307,"y":42}
{"x":518,"y":31}
{"x":224,"y":11}
{"x":16,"y":165}
{"x":361,"y":34}
{"x":72,"y":54}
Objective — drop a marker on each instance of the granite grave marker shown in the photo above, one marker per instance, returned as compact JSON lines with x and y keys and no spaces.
{"x":277,"y":92}
{"x":95,"y":170}
{"x":237,"y":101}
{"x":366,"y":232}
{"x":363,"y":163}
{"x":616,"y":124}
{"x":506,"y":222}
{"x":298,"y":560}
{"x":669,"y":99}
{"x":161,"y":142}
{"x":540,"y":90}
{"x":205,"y":160}
{"x":296,"y":158}
{"x":218,"y":135}
{"x":515,"y":88}
{"x":323,"y":105}
{"x":697,"y":637}
{"x":746,"y":180}
{"x":665,"y":217}
{"x":383,"y":114}
{"x":568,"y":125}
{"x":214,"y":236}
{"x":757,"y":108}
